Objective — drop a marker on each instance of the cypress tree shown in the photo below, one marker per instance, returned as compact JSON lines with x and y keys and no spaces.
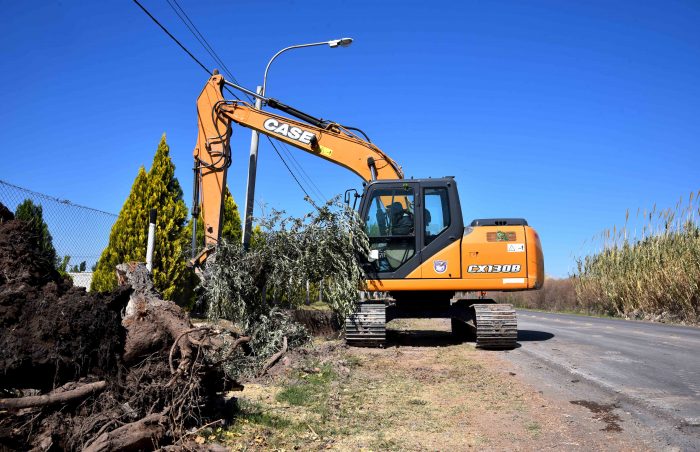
{"x":157,"y":189}
{"x":34,"y":215}
{"x":165,"y":194}
{"x":127,"y":239}
{"x":231,"y":230}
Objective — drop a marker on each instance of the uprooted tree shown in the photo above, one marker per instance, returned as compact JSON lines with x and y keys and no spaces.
{"x":254,"y":289}
{"x":76,"y":375}
{"x":79,"y":375}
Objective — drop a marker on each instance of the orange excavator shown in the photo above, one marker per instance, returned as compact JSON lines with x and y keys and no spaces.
{"x":422,"y":254}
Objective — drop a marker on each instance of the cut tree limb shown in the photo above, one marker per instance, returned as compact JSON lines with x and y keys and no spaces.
{"x":142,"y":434}
{"x":273,"y":359}
{"x":53,"y":397}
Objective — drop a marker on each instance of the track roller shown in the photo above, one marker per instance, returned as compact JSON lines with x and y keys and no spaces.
{"x":367,"y":326}
{"x":496,"y":325}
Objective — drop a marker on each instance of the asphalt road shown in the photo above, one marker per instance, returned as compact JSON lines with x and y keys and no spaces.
{"x":654,"y":367}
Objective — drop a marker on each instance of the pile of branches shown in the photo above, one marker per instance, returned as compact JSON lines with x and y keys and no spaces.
{"x":255,"y":289}
{"x":100,"y":372}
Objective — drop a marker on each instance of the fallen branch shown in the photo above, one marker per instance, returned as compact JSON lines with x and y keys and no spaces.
{"x":53,"y":397}
{"x":141,"y":434}
{"x":274,"y":358}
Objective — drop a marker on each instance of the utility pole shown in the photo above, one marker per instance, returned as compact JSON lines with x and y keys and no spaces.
{"x":253,"y":162}
{"x":252,"y":171}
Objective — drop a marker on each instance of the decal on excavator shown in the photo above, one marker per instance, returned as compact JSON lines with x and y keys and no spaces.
{"x":295,"y":133}
{"x":515,"y":268}
{"x":440,"y":266}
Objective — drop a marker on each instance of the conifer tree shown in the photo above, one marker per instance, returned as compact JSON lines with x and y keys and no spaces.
{"x":127,"y":238}
{"x":165,"y":194}
{"x":157,"y":189}
{"x":34,"y":215}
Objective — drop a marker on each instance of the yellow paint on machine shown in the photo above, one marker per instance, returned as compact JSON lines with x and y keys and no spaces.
{"x":500,"y":265}
{"x":447,"y":284}
{"x":450,"y":256}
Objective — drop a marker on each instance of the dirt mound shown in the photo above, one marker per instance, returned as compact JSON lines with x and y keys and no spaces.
{"x":50,"y":331}
{"x":75,"y":375}
{"x":323,"y":323}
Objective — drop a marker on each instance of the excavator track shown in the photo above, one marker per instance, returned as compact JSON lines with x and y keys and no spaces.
{"x":496,"y":326}
{"x":366,"y":327}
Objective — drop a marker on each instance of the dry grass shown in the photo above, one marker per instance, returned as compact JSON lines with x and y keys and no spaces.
{"x":407,"y":398}
{"x":647,"y":269}
{"x":556,"y":295}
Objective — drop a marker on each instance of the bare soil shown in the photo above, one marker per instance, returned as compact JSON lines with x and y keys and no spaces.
{"x":75,"y":375}
{"x":423,"y":392}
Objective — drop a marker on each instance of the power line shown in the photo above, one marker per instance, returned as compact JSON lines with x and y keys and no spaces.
{"x":172,"y":37}
{"x":288,"y":169}
{"x":162,"y":27}
{"x":192,"y":27}
{"x":303,"y":173}
{"x":180,"y":44}
{"x":175,"y":6}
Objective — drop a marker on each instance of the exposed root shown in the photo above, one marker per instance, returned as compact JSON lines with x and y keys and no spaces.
{"x":54,"y":397}
{"x":142,"y":434}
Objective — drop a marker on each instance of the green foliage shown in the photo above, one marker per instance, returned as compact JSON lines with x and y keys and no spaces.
{"x":157,"y":189}
{"x":250,"y":288}
{"x":327,"y":244}
{"x":78,"y":268}
{"x":127,"y":239}
{"x":654,"y":275}
{"x":34,"y":215}
{"x":165,"y":194}
{"x":231,"y":229}
{"x":63,"y":266}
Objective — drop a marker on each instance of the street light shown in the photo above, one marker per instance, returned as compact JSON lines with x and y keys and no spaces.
{"x":253,"y":161}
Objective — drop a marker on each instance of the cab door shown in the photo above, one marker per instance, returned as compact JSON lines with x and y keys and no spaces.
{"x":440,"y":241}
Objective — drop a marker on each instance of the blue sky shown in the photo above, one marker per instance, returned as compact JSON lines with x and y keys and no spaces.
{"x":565,"y":113}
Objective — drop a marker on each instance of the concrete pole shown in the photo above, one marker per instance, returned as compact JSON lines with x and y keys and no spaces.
{"x":151,"y":240}
{"x":252,"y":169}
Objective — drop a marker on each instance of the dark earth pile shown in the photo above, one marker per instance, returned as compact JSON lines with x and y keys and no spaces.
{"x":64,"y":381}
{"x":50,"y":331}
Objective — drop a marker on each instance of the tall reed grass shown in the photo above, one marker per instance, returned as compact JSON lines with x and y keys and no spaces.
{"x":648,"y":269}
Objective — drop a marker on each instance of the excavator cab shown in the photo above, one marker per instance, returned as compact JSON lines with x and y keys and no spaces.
{"x":407,"y":221}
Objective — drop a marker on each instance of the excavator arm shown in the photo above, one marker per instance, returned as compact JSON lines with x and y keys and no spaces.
{"x":212,"y":154}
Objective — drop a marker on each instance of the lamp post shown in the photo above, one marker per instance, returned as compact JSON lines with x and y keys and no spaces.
{"x":253,"y":160}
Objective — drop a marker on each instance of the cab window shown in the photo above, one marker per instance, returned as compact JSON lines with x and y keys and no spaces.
{"x":390,"y":226}
{"x":436,"y":214}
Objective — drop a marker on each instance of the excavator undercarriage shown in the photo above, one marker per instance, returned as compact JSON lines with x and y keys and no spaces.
{"x":491,"y":325}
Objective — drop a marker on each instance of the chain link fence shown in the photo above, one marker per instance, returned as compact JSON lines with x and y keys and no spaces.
{"x":79,"y":233}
